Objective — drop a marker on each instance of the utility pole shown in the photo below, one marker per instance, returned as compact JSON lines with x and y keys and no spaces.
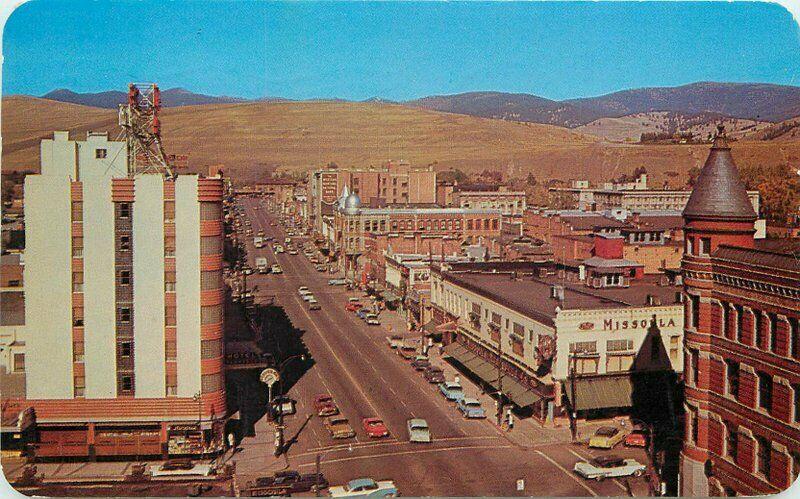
{"x":500,"y":378}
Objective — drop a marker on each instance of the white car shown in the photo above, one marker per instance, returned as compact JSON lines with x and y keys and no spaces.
{"x":364,"y":487}
{"x":603,"y":467}
{"x":302,"y":290}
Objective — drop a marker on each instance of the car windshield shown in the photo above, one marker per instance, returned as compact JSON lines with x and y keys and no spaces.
{"x":375,"y":422}
{"x":472,"y":403}
{"x":338,"y":421}
{"x":324,"y":400}
{"x":419,"y":426}
{"x":607,"y":431}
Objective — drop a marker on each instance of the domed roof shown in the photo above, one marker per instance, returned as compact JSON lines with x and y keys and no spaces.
{"x":719,"y":192}
{"x":353,"y":202}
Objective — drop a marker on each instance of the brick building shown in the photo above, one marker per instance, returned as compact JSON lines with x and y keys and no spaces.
{"x":742,"y":343}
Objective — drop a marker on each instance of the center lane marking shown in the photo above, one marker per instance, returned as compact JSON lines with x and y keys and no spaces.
{"x":417,"y":451}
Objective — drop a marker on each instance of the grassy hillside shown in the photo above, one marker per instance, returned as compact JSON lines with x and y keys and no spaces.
{"x":252,"y":139}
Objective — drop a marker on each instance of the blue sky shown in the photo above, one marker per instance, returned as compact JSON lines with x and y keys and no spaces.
{"x":394,"y":50}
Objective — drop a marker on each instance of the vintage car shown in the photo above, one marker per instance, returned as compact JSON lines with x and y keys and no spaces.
{"x":418,"y":430}
{"x":636,"y":438}
{"x":364,"y":487}
{"x":407,"y":352}
{"x":287,"y":482}
{"x":325,"y":406}
{"x":375,"y":427}
{"x":434,"y":374}
{"x":471,"y":408}
{"x":420,"y":363}
{"x":603,"y":467}
{"x":394,"y":340}
{"x":606,"y":437}
{"x":451,"y":390}
{"x":339,"y":427}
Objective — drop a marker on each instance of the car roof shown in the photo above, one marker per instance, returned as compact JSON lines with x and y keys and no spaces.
{"x":470,"y":401}
{"x":360,"y":482}
{"x":608,"y":459}
{"x":606,"y":430}
{"x":417,"y":421}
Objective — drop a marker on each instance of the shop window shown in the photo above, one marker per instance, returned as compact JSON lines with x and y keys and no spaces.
{"x":19,"y":362}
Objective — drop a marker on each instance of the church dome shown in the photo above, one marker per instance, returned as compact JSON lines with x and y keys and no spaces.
{"x":352,"y":203}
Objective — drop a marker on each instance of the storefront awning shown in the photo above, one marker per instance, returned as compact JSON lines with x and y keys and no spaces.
{"x":519,"y":394}
{"x":600,"y":392}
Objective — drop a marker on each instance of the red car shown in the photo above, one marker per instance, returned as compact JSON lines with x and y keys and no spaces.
{"x":636,"y":438}
{"x":353,"y":306}
{"x":325,"y":406}
{"x":375,"y":427}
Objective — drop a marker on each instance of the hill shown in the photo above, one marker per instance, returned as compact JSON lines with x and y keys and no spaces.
{"x":255,"y":138}
{"x":754,"y":101}
{"x":111,"y":99}
{"x":630,"y":128}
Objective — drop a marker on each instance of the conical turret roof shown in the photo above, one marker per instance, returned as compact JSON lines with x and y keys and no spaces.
{"x":719,"y":192}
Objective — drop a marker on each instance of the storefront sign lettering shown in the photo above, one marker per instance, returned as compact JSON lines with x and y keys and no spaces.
{"x":612,"y":325}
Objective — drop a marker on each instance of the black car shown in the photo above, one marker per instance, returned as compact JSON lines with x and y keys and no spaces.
{"x":288,"y":482}
{"x":421,"y":364}
{"x":434,"y":374}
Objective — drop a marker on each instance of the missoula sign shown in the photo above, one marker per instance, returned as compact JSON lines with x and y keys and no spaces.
{"x":614,"y":325}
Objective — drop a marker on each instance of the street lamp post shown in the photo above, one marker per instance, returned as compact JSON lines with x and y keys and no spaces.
{"x":278,"y":422}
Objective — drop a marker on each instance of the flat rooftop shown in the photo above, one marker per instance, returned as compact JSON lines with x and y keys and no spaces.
{"x":530,"y":295}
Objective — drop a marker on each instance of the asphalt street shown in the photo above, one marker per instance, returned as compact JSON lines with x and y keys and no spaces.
{"x":353,"y":363}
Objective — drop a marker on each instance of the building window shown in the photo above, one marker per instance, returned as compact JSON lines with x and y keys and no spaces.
{"x":758,"y":328}
{"x":773,"y":331}
{"x":79,"y":385}
{"x":124,"y":210}
{"x":739,"y":322}
{"x":172,"y":384}
{"x":77,"y":247}
{"x":732,"y":378}
{"x":764,"y":390}
{"x":125,"y":314}
{"x":125,"y":243}
{"x":724,"y":319}
{"x":674,"y":349}
{"x":211,"y":383}
{"x":731,"y":440}
{"x":169,"y":210}
{"x":77,"y":282}
{"x":124,"y":277}
{"x":171,"y":349}
{"x":170,"y":315}
{"x":19,"y":362}
{"x":796,"y":397}
{"x":705,"y":246}
{"x":100,"y":153}
{"x":764,"y":456}
{"x":694,"y":421}
{"x":795,"y":456}
{"x":77,"y":351}
{"x":689,"y":246}
{"x":694,"y":302}
{"x":619,"y":362}
{"x":125,"y":349}
{"x":77,"y":211}
{"x":619,"y":345}
{"x":210,"y":211}
{"x":126,"y":383}
{"x":694,"y":357}
{"x":794,"y":338}
{"x":211,"y":314}
{"x":210,"y":349}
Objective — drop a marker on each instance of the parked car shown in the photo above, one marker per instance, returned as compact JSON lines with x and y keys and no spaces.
{"x":609,"y":466}
{"x":434,"y":374}
{"x":420,"y":360}
{"x":288,"y":482}
{"x":471,"y":408}
{"x":361,"y":313}
{"x":336,"y":282}
{"x":325,"y":406}
{"x":394,"y":340}
{"x":408,"y":352}
{"x":353,"y":306}
{"x":314,"y":306}
{"x":451,"y":390}
{"x":375,"y":427}
{"x":177,"y":464}
{"x":339,"y":427}
{"x":276,"y":269}
{"x":418,"y":430}
{"x":636,"y":438}
{"x":303,"y":290}
{"x":606,"y":437}
{"x":364,"y":487}
{"x":372,"y":320}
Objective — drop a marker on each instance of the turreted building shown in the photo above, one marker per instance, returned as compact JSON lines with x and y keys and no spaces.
{"x":741,"y":343}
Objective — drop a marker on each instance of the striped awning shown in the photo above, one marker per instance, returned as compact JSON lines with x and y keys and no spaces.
{"x":600,"y":392}
{"x":518,"y":393}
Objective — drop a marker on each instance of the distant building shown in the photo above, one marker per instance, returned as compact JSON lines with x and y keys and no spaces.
{"x":510,"y":203}
{"x":742,"y":343}
{"x":631,"y":196}
{"x":392,"y":184}
{"x":123,"y":289}
{"x":564,"y":341}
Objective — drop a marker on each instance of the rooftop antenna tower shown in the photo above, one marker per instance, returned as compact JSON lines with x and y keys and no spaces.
{"x":141,"y":129}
